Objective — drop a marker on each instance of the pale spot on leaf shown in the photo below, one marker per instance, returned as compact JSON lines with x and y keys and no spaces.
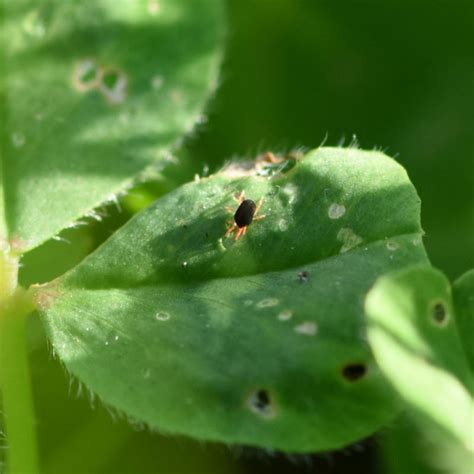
{"x":162,"y":316}
{"x":267,"y":303}
{"x":348,"y":238}
{"x":18,"y":139}
{"x":308,"y":328}
{"x":336,"y":211}
{"x":157,"y":82}
{"x":285,"y":315}
{"x":391,"y":245}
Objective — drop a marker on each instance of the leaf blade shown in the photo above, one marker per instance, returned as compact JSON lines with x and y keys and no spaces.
{"x":256,"y":360}
{"x":94,"y":93}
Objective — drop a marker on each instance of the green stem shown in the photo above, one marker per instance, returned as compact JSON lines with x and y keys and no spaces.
{"x":18,"y":412}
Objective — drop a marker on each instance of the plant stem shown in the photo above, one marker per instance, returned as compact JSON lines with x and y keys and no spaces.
{"x":8,"y":273}
{"x":18,"y":412}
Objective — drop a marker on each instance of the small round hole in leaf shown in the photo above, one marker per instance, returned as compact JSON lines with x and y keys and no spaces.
{"x":260,"y":402}
{"x":354,"y":371}
{"x":439,"y":313}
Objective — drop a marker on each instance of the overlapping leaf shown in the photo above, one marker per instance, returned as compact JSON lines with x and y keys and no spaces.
{"x":463,"y":295}
{"x":415,"y":338}
{"x":92,"y":93}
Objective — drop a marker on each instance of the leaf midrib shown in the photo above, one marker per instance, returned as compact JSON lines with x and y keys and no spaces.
{"x":198,"y":282}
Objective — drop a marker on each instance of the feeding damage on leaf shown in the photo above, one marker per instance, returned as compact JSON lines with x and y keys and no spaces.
{"x":439,"y":313}
{"x":261,"y":403}
{"x":112,"y":83}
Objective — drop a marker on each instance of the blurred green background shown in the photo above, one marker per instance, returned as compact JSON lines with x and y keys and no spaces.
{"x":399,"y":75}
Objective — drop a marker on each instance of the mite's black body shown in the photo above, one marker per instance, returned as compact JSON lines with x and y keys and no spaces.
{"x":244,"y":214}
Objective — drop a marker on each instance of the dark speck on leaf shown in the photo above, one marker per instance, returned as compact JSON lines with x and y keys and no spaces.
{"x":303,"y":276}
{"x":354,"y":372}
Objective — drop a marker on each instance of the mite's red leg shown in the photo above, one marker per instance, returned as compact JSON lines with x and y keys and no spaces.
{"x":230,"y":230}
{"x":270,"y":157}
{"x":240,"y":197}
{"x":240,"y":232}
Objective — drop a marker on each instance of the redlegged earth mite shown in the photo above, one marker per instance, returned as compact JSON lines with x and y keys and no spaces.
{"x":245,"y":214}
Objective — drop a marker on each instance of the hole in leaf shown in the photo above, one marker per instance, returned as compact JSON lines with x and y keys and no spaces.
{"x":261,"y":403}
{"x":355,"y":371}
{"x":439,"y":313}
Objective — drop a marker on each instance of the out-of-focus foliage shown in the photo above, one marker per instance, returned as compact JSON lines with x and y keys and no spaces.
{"x":463,"y":295}
{"x":413,"y":331}
{"x":91,"y":94}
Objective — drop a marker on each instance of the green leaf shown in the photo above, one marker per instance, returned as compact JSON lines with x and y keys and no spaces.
{"x":91,"y":94}
{"x":463,"y":295}
{"x":415,"y":340}
{"x":413,"y":447}
{"x":260,"y":340}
